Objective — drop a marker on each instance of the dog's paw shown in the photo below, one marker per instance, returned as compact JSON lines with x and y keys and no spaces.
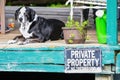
{"x":23,"y":43}
{"x":20,"y":43}
{"x":12,"y":41}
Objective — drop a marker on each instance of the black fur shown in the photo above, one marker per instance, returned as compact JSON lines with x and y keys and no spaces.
{"x":47,"y":29}
{"x":30,"y":13}
{"x":43,"y":29}
{"x":17,"y":13}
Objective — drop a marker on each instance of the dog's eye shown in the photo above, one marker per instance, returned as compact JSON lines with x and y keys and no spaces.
{"x":25,"y":14}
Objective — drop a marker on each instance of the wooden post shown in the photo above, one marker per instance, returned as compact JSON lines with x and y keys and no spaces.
{"x":2,"y":15}
{"x":112,"y":33}
{"x":103,"y":77}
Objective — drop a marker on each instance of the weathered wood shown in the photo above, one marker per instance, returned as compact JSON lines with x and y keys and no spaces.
{"x":47,"y":12}
{"x":2,"y":15}
{"x":33,"y":56}
{"x":103,"y":77}
{"x":44,"y":57}
{"x":112,"y":32}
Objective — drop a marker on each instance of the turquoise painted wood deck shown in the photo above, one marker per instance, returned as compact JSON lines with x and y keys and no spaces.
{"x":27,"y":58}
{"x":49,"y":57}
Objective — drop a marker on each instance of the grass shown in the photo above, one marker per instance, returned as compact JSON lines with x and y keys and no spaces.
{"x":58,"y":5}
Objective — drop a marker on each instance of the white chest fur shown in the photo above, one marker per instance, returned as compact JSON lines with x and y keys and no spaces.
{"x":24,"y":30}
{"x":25,"y":27}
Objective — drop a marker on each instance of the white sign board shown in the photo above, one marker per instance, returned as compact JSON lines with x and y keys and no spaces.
{"x":83,"y":60}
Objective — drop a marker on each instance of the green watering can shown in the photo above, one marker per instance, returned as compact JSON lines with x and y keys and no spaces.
{"x":101,"y":26}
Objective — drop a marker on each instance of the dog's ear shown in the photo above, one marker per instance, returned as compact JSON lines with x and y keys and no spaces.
{"x":31,"y":15}
{"x":17,"y":12}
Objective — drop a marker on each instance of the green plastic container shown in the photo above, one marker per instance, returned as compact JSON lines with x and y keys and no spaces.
{"x":101,"y":29}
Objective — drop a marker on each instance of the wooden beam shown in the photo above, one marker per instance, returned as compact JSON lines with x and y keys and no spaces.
{"x":112,"y":32}
{"x":2,"y":15}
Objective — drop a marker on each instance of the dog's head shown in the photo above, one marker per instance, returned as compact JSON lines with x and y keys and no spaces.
{"x":24,"y":14}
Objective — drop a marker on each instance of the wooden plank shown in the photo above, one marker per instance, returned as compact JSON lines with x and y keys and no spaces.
{"x":45,"y":10}
{"x":118,"y":63}
{"x":48,"y":12}
{"x":2,"y":15}
{"x":40,"y":9}
{"x":108,"y":56}
{"x":32,"y":67}
{"x":103,"y":77}
{"x":51,"y":51}
{"x":20,"y":57}
{"x":33,"y":56}
{"x":3,"y":57}
{"x":112,"y":32}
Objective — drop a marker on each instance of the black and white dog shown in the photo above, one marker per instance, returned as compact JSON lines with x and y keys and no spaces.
{"x":34,"y":26}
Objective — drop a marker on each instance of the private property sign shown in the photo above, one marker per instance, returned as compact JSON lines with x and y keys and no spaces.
{"x":83,"y":60}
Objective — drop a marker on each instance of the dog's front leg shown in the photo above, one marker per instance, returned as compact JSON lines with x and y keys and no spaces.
{"x":24,"y":42}
{"x":15,"y":39}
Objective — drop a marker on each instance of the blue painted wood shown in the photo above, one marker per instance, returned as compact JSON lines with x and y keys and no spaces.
{"x":47,"y":59}
{"x":32,"y":67}
{"x":3,"y":56}
{"x":53,"y":57}
{"x":118,"y":63}
{"x":29,"y":48}
{"x":108,"y":57}
{"x":32,"y":60}
{"x":112,"y":33}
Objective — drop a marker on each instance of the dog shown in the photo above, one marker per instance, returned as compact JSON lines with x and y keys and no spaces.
{"x":33,"y":26}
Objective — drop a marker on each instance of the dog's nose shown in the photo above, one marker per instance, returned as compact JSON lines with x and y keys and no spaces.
{"x":20,"y":19}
